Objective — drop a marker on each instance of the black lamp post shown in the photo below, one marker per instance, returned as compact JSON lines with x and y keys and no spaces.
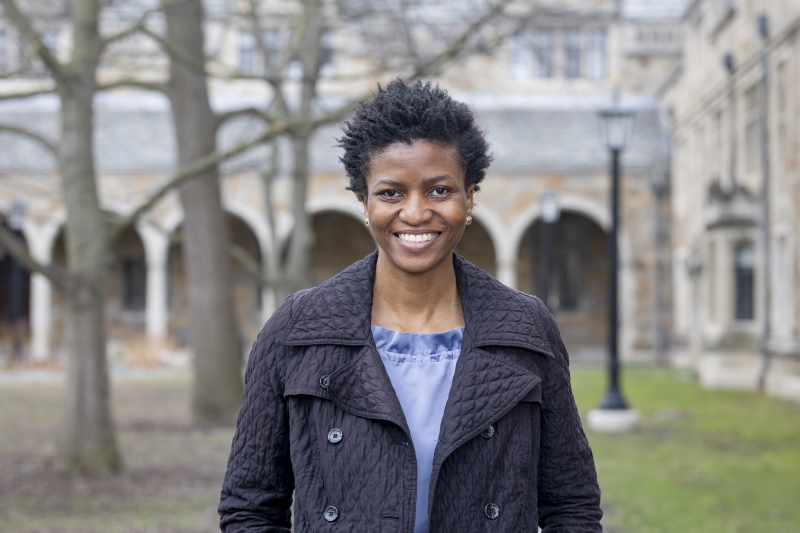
{"x":615,"y":127}
{"x":550,"y":214}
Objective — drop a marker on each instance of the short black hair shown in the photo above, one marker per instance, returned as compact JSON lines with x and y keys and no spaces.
{"x":406,"y":113}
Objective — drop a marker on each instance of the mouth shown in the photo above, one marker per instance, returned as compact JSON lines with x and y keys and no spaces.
{"x":417,"y":238}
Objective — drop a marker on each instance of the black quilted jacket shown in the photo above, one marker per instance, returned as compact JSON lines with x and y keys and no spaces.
{"x":315,"y":368}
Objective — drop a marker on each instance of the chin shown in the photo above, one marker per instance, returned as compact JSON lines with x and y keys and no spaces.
{"x":414,"y":265}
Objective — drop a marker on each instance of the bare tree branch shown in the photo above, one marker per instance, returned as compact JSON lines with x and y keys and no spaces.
{"x":124,"y":34}
{"x":14,"y":245}
{"x":456,"y":47}
{"x":27,"y":94}
{"x":173,"y":54}
{"x":24,"y":25}
{"x":10,"y":128}
{"x":134,"y":84}
{"x":247,"y":111}
{"x":248,"y":262}
{"x":209,"y":161}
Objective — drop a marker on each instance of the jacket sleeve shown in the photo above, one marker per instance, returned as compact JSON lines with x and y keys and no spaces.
{"x":569,"y":496}
{"x":257,"y":491}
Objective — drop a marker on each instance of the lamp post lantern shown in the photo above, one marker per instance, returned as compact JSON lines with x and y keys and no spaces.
{"x":614,"y":414}
{"x":551,"y":212}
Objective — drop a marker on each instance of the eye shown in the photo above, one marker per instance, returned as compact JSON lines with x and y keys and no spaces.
{"x":440,"y":191}
{"x":389,"y":193}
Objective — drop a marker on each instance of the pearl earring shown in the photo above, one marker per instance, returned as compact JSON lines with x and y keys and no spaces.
{"x":469,"y":220}
{"x":366,"y":222}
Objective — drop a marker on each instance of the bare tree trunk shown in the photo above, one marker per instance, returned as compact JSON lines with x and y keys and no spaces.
{"x":218,"y":386}
{"x":88,"y":443}
{"x":310,"y":52}
{"x":298,"y":267}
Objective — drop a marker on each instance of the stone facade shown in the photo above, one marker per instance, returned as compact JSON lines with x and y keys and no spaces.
{"x":538,"y":99}
{"x":735,"y":299}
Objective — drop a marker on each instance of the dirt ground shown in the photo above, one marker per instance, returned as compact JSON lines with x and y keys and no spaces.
{"x":172,"y":477}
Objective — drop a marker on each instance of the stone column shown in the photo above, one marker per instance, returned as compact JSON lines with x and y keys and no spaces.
{"x":506,"y":262}
{"x":156,"y":247}
{"x":41,"y":316}
{"x":507,"y":273}
{"x":40,"y":244}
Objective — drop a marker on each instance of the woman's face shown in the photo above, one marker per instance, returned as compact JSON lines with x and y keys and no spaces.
{"x":417,"y":204}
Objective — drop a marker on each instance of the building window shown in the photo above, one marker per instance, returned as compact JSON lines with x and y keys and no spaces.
{"x":271,"y":38}
{"x":543,"y":53}
{"x":50,"y":40}
{"x":744,"y":277}
{"x":572,"y":53}
{"x":520,"y":57}
{"x":247,"y":52}
{"x":326,"y":55}
{"x":597,"y":54}
{"x":712,"y":282}
{"x":751,"y":133}
{"x":134,"y":287}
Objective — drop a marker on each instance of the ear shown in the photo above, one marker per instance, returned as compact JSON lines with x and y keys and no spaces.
{"x":363,"y":198}
{"x":470,"y":194}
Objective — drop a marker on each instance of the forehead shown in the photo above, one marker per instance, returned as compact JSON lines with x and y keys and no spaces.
{"x":419,"y":160}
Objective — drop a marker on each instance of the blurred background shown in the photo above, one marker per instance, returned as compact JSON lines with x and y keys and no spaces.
{"x":169,"y":173}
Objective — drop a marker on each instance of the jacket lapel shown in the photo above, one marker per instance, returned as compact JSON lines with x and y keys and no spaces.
{"x":362,"y":387}
{"x":485,"y":387}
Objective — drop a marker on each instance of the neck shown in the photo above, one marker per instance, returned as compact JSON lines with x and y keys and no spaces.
{"x":427,"y":302}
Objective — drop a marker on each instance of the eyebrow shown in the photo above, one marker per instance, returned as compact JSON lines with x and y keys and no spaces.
{"x":426,"y":181}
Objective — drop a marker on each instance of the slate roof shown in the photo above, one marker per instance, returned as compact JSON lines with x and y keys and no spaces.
{"x":523,"y":140}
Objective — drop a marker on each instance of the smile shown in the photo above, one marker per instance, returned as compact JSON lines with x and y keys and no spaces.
{"x":410,"y":237}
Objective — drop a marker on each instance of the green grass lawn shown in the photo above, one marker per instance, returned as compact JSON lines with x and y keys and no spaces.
{"x":706,"y":462}
{"x":702,"y":461}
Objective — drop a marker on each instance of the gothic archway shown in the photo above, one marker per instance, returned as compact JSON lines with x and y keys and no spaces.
{"x":579,"y":283}
{"x":339,"y":241}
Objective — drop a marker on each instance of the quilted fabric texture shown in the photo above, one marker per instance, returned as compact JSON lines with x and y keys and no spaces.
{"x":315,"y":368}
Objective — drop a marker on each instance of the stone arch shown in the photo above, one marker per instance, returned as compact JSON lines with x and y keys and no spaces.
{"x":245,"y":275}
{"x":579,"y":283}
{"x":254,"y":219}
{"x":127,"y":287}
{"x":341,"y":238}
{"x":477,"y":246}
{"x":15,"y":287}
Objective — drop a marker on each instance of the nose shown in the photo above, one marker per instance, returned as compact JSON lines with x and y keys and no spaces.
{"x":416,"y":210}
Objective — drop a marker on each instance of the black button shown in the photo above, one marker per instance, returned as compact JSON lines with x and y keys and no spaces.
{"x":323,"y":381}
{"x":492,"y":511}
{"x":335,"y":436}
{"x":488,"y":433}
{"x":331,"y":513}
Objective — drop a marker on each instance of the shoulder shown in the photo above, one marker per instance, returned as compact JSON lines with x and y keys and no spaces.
{"x":499,"y":315}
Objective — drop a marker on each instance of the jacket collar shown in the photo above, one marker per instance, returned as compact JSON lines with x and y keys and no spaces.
{"x":339,"y":311}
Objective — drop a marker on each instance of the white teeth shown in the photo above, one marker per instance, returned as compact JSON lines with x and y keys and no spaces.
{"x":408,"y":237}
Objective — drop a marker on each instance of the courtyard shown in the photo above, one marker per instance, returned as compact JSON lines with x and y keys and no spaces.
{"x":701,"y":461}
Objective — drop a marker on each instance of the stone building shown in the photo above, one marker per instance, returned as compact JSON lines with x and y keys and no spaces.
{"x":734,"y":111}
{"x":537,"y":97}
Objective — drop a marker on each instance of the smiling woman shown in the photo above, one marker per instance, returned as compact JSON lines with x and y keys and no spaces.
{"x":412,"y":391}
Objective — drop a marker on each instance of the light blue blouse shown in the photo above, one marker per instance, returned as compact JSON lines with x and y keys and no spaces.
{"x":421,"y":368}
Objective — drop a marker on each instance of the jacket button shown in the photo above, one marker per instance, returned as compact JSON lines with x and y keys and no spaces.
{"x":331,"y":513}
{"x":335,"y":437}
{"x":323,"y":381}
{"x":492,"y":511}
{"x":488,"y":433}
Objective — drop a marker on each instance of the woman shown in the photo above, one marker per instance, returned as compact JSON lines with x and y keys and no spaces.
{"x":468,"y":423}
